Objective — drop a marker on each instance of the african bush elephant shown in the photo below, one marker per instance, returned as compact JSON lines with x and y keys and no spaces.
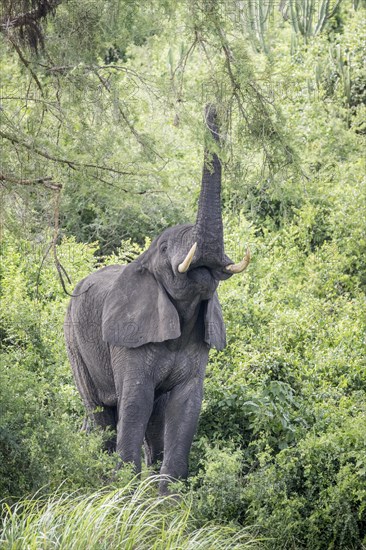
{"x":138,"y":335}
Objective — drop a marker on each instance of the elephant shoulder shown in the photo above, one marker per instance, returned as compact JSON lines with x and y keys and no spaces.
{"x":101,"y":279}
{"x":91,"y":291}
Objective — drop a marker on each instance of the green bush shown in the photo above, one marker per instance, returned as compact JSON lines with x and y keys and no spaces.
{"x":281,"y":437}
{"x":217,"y":490}
{"x":41,"y":442}
{"x":313,"y":495}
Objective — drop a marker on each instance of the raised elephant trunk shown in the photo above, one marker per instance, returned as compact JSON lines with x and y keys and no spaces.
{"x":150,"y":325}
{"x":208,"y":232}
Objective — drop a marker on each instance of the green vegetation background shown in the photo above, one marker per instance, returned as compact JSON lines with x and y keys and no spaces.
{"x":112,"y":110}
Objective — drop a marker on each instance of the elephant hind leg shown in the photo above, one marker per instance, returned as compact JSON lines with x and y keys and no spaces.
{"x":97,"y":414}
{"x":80,"y":370}
{"x":154,"y":435}
{"x":106,"y":418}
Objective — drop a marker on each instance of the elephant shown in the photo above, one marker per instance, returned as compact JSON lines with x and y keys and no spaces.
{"x":138,"y":335}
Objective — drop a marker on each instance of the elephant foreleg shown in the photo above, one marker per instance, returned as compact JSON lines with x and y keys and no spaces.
{"x":134,"y":410}
{"x":181,"y":418}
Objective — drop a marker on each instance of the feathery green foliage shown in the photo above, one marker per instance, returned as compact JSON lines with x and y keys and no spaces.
{"x":114,"y":114}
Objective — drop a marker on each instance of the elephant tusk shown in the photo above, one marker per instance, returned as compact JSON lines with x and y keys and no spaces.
{"x":184,"y":266}
{"x":241,"y":266}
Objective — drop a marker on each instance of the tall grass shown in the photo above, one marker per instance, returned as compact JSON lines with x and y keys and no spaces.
{"x":132,"y":517}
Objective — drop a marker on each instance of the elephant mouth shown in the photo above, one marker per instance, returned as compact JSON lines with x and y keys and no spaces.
{"x":204,"y":277}
{"x":228,"y":267}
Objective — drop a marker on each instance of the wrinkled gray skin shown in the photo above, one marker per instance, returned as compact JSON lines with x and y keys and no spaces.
{"x":138,"y":336}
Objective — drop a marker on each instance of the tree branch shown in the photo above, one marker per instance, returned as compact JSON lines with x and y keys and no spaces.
{"x":71,"y":163}
{"x":26,"y":63}
{"x":63,"y":69}
{"x":46,"y":181}
{"x":30,"y":17}
{"x":140,"y":140}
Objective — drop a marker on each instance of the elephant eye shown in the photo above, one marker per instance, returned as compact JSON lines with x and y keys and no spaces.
{"x":163,"y":248}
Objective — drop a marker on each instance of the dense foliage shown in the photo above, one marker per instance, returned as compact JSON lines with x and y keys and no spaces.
{"x":112,"y":113}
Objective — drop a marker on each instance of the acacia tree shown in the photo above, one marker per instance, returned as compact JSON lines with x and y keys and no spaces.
{"x":102,"y":100}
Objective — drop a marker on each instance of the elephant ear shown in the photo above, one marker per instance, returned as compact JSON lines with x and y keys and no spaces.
{"x":137,"y":310}
{"x":215,"y":333}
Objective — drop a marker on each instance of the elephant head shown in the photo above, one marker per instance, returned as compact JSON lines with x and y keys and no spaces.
{"x":184,"y":265}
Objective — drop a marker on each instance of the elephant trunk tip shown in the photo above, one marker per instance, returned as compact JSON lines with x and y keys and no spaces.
{"x":211,"y":120}
{"x":210,"y":111}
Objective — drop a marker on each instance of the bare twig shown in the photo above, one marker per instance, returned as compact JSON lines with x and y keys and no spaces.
{"x":40,"y":268}
{"x":26,"y":63}
{"x":56,"y":188}
{"x":56,"y":220}
{"x":130,"y":191}
{"x":182,"y":65}
{"x":27,"y":98}
{"x":46,"y":181}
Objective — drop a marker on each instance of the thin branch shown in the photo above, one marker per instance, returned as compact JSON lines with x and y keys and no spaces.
{"x":71,"y":163}
{"x":60,"y":269}
{"x":130,"y":126}
{"x":40,"y":268}
{"x":26,"y":63}
{"x":26,"y":98}
{"x":51,"y":105}
{"x":56,"y":188}
{"x":46,"y":181}
{"x":130,"y":191}
{"x":182,"y":65}
{"x":98,"y":178}
{"x":29,"y":17}
{"x":63,"y":69}
{"x":91,"y":68}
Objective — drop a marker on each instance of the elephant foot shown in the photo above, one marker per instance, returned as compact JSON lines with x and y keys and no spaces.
{"x":110,"y":446}
{"x":86,"y":426}
{"x":167,"y":489}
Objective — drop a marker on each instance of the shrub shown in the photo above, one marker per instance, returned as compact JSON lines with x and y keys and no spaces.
{"x":41,"y":443}
{"x":217,"y":487}
{"x":313,"y":495}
